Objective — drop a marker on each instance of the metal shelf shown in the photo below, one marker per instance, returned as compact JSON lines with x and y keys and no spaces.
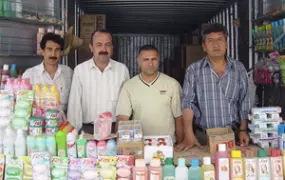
{"x":29,"y":21}
{"x":276,"y":15}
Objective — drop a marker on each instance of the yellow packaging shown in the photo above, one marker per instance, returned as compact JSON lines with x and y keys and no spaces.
{"x":28,"y":171}
{"x":237,"y":168}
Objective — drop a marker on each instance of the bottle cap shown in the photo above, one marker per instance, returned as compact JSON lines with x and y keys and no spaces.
{"x":275,"y":153}
{"x":101,"y":143}
{"x":181,"y":162}
{"x":236,"y":153}
{"x":222,"y":147}
{"x":262,"y":153}
{"x":155,"y":163}
{"x":13,"y":67}
{"x":169,"y":161}
{"x":206,"y":160}
{"x":250,"y":154}
{"x":5,"y":67}
{"x":195,"y":162}
{"x":140,"y":163}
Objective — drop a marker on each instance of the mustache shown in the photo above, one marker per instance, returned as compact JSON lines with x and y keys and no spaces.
{"x":103,"y":53}
{"x":53,"y":57}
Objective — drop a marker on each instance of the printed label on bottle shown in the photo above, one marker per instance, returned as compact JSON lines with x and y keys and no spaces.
{"x":154,"y":175}
{"x":169,"y":178}
{"x":237,"y":170}
{"x":276,"y":166}
{"x":264,"y":168}
{"x":224,"y":168}
{"x":209,"y":175}
{"x":140,"y":176}
{"x":250,"y":169}
{"x":8,"y":150}
{"x":61,"y":153}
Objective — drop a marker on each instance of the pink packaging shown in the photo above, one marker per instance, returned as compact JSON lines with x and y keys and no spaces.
{"x":103,"y":125}
{"x":125,"y":165}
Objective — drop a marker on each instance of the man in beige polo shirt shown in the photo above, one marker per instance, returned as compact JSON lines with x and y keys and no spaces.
{"x":153,"y":98}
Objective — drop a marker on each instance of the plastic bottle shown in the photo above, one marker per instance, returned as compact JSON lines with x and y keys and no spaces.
{"x":263,"y":165}
{"x":250,"y":165}
{"x":208,"y":170}
{"x":31,"y":145}
{"x":222,"y":163}
{"x":5,"y":75}
{"x":194,"y":172}
{"x":155,"y":170}
{"x":101,"y":148}
{"x":45,"y":97}
{"x":37,"y":103}
{"x":16,"y":85}
{"x":10,"y":84}
{"x":13,"y":71}
{"x":111,"y":148}
{"x":71,"y":143}
{"x":51,"y":145}
{"x":41,"y":143}
{"x":20,"y":143}
{"x":140,"y":170}
{"x":61,"y":144}
{"x":181,"y":171}
{"x":81,"y":146}
{"x":25,"y":84}
{"x":1,"y":138}
{"x":55,"y":97}
{"x":19,"y":8}
{"x":40,"y":34}
{"x":236,"y":164}
{"x":276,"y":164}
{"x":91,"y":149}
{"x":8,"y":142}
{"x":168,"y":170}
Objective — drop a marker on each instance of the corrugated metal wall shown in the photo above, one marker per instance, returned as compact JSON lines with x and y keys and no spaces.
{"x":127,"y":47}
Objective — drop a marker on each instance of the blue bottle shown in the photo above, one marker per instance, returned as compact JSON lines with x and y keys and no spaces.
{"x":111,"y":148}
{"x":194,"y":172}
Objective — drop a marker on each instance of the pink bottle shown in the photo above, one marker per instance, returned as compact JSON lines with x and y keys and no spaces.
{"x":222,"y":163}
{"x":25,"y":84}
{"x":10,"y":84}
{"x":155,"y":170}
{"x":140,"y":171}
{"x":91,"y":149}
{"x":103,"y":125}
{"x":101,"y":148}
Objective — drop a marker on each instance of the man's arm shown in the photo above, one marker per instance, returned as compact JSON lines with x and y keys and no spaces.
{"x":74,"y":113}
{"x":179,"y":129}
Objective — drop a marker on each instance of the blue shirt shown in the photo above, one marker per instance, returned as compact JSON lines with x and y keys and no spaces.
{"x":216,"y":101}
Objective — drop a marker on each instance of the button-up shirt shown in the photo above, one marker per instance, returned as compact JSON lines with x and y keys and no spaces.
{"x":216,"y":101}
{"x":62,"y":79}
{"x":94,"y":92}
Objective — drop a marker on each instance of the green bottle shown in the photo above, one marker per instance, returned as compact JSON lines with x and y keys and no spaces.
{"x":168,"y":170}
{"x":61,"y":144}
{"x":81,"y":146}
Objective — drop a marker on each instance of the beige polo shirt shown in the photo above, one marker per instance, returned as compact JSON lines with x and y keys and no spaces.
{"x":156,"y":104}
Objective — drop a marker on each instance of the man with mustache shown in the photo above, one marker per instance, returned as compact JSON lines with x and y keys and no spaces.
{"x":96,"y":84}
{"x":50,"y":71}
{"x":215,"y":92}
{"x":153,"y":98}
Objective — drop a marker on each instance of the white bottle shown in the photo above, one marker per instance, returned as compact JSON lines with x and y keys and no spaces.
{"x":181,"y":171}
{"x":8,"y":142}
{"x":20,"y":143}
{"x":19,"y":8}
{"x":71,"y":144}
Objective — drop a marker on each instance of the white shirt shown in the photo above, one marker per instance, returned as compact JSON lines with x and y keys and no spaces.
{"x":62,"y":79}
{"x":94,"y":92}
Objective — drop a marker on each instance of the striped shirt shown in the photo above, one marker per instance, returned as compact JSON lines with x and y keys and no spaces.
{"x":216,"y":101}
{"x":94,"y":92}
{"x":62,"y":79}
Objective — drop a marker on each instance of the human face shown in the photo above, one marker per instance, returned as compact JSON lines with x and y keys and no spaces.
{"x":102,"y":47}
{"x":52,"y":53}
{"x":149,"y":62}
{"x":215,"y":45}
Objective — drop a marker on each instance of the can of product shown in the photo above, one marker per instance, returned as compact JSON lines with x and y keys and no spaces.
{"x":36,"y":121}
{"x":51,"y":122}
{"x":35,"y":131}
{"x":51,"y":130}
{"x":52,"y":114}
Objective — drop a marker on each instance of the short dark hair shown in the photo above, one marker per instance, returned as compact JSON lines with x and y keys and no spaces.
{"x":215,"y":27}
{"x":52,"y":37}
{"x":99,"y":30}
{"x":147,"y":48}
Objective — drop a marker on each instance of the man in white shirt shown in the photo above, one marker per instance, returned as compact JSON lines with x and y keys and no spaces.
{"x":96,"y":84}
{"x":50,"y":71}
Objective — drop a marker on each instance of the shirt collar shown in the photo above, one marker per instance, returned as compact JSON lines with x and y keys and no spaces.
{"x":207,"y":62}
{"x":151,"y":83}
{"x":93,"y":65}
{"x":42,"y":69}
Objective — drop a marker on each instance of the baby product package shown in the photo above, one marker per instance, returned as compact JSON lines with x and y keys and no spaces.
{"x":6,"y":107}
{"x":103,"y":126}
{"x":23,"y":109}
{"x":2,"y":163}
{"x":88,"y":169}
{"x":107,"y":167}
{"x":41,"y":166}
{"x":74,"y":169}
{"x":28,"y":171}
{"x":124,"y":166}
{"x":59,"y":168}
{"x":14,"y":168}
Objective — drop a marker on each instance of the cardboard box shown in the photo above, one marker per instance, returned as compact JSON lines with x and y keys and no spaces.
{"x":135,"y":149}
{"x":194,"y":53}
{"x":88,"y":24}
{"x":101,"y":21}
{"x":218,"y":136}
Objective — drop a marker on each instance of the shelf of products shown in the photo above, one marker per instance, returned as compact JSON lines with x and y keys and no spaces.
{"x":34,"y":20}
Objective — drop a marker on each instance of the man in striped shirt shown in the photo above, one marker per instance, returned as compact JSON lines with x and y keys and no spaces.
{"x":96,"y":84}
{"x":215,"y":92}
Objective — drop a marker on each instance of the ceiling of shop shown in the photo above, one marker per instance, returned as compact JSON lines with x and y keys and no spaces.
{"x":147,"y":16}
